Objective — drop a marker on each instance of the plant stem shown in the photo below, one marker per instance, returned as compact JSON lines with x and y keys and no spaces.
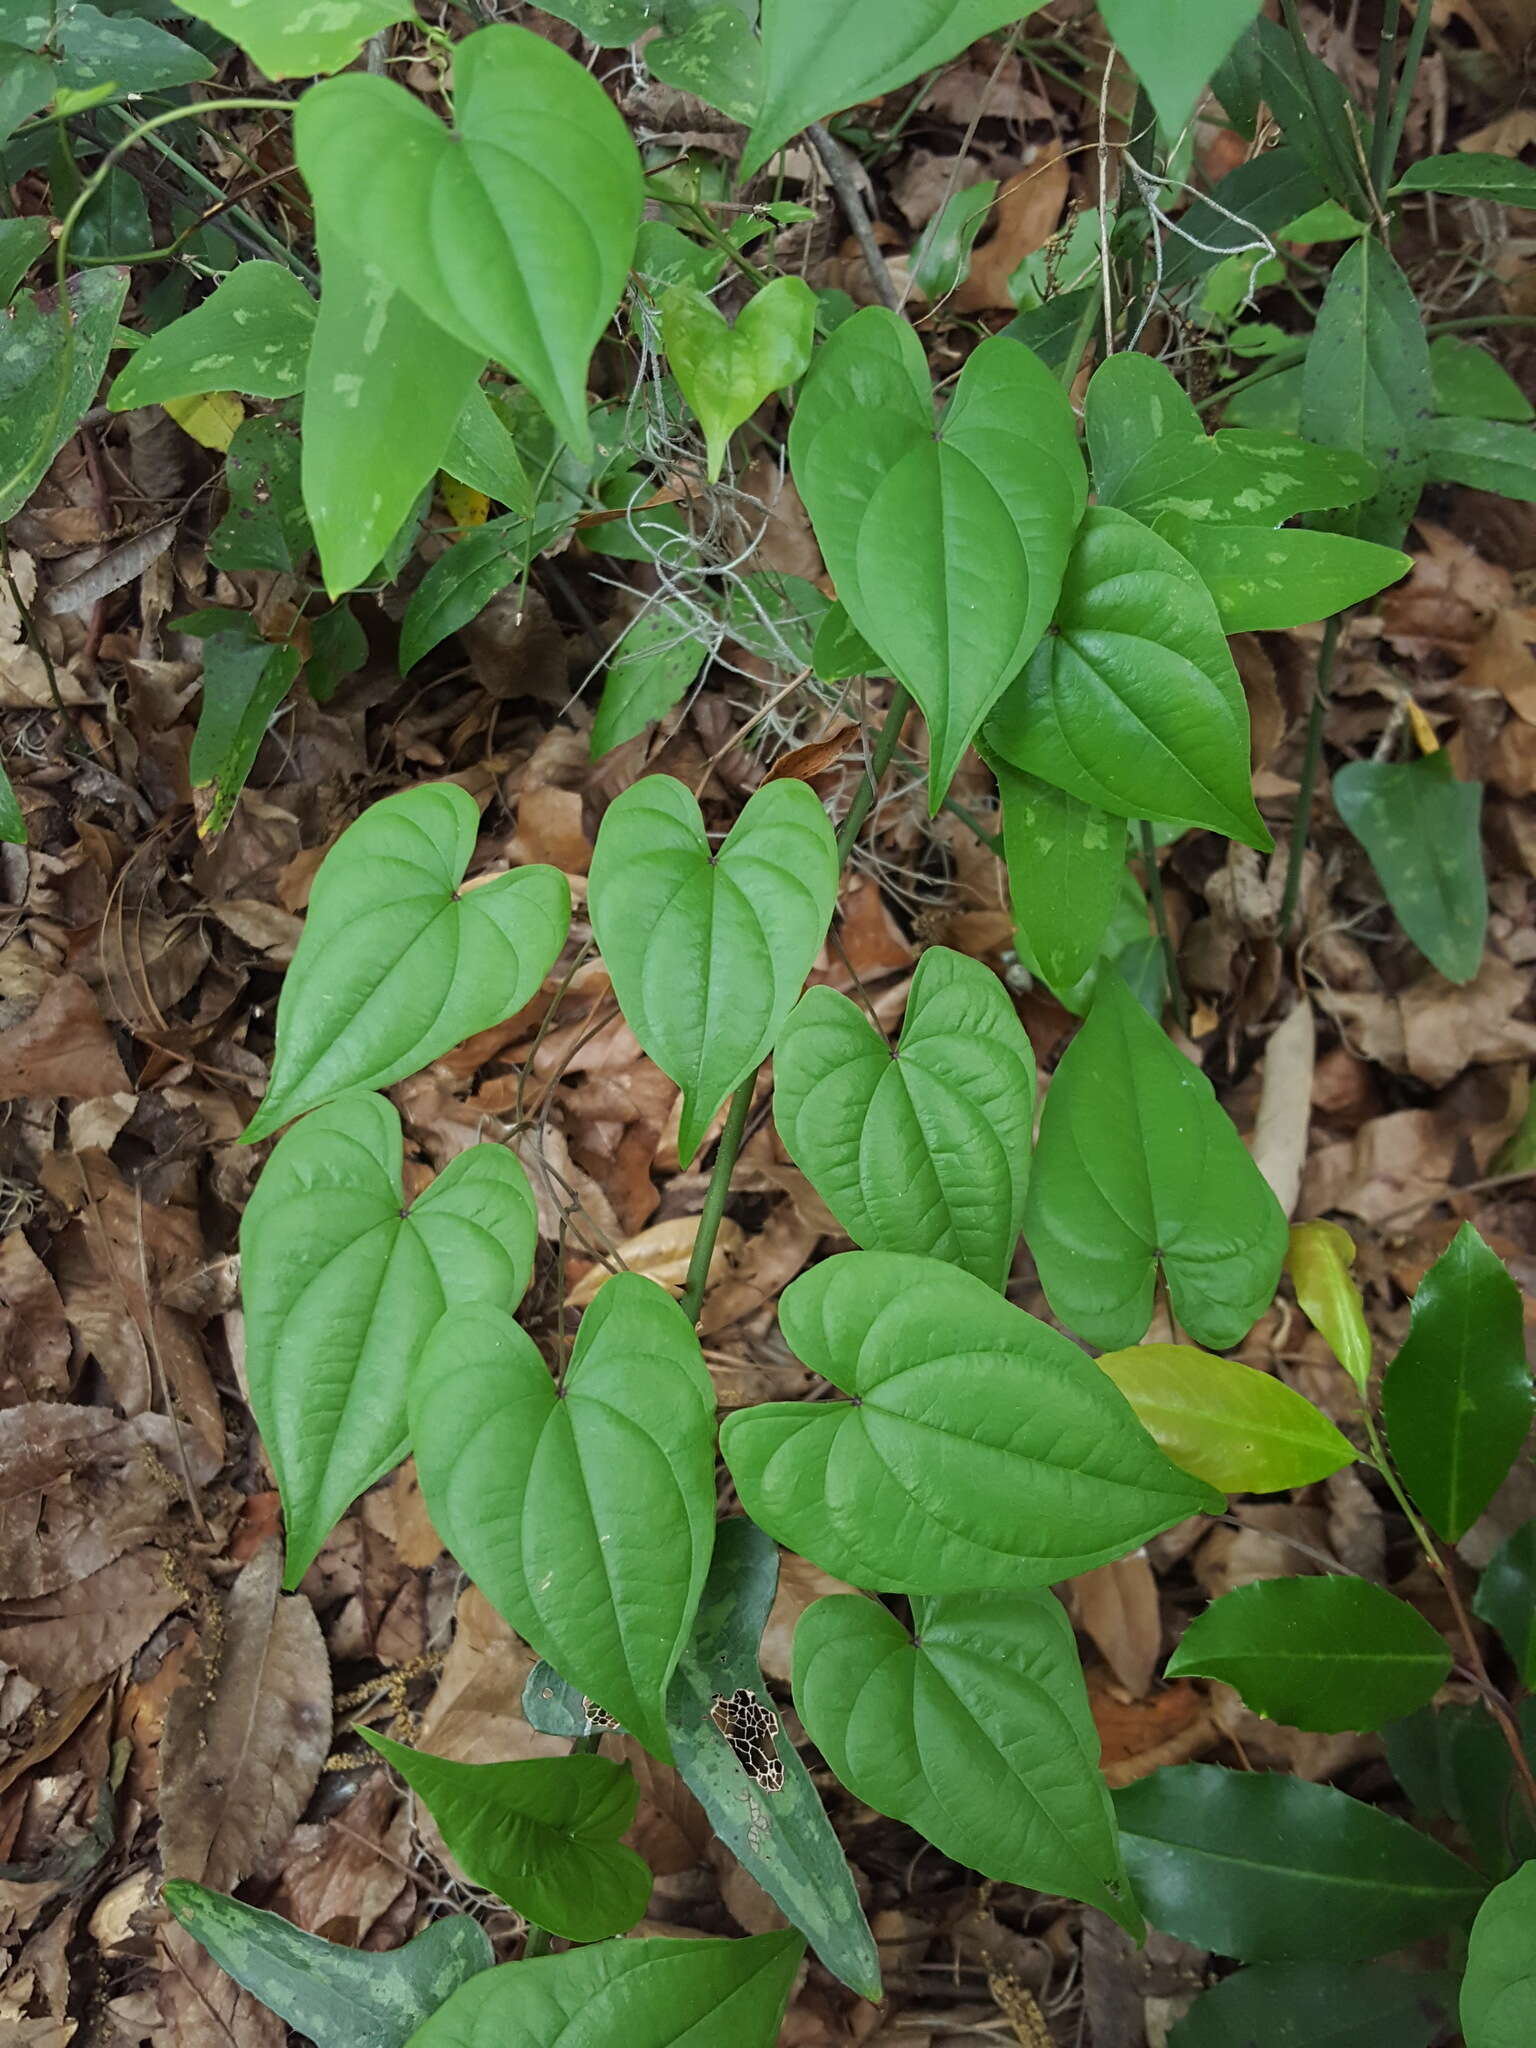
{"x":1303,"y":820}
{"x":537,"y":1943}
{"x":1344,"y":166}
{"x":885,"y":748}
{"x":1386,"y":66}
{"x":238,"y":215}
{"x":1386,"y":148}
{"x":1160,"y":917}
{"x":722,"y":242}
{"x":841,"y":179}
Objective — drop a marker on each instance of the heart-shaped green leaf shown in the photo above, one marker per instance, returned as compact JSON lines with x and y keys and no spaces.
{"x":299,"y":42}
{"x":643,"y":1994}
{"x":1238,"y":1429}
{"x":1457,"y":1398}
{"x":816,"y":62}
{"x":1422,"y":828}
{"x":974,"y":1728}
{"x":1132,"y":703}
{"x":336,"y":1997}
{"x":396,"y":964}
{"x":1264,"y":578}
{"x":1175,"y":47}
{"x":708,"y":951}
{"x":343,"y":1285}
{"x":1066,"y":869}
{"x":514,"y":229}
{"x":926,"y":1151}
{"x":252,"y":334}
{"x":978,"y":1448}
{"x":1325,"y":1654}
{"x":544,"y":1835}
{"x":1498,"y":1994}
{"x":584,"y":1512}
{"x":1137,"y":1163}
{"x":947,"y":550}
{"x":724,"y":372}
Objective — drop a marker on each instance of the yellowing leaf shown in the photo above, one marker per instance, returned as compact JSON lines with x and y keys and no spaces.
{"x":464,"y":505}
{"x":1318,"y":1262}
{"x":210,"y":417}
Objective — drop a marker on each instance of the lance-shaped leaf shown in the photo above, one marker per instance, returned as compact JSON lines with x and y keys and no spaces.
{"x":974,"y":1728}
{"x":543,"y":1835}
{"x":298,"y":42}
{"x":585,"y":1512}
{"x":1264,"y":578}
{"x":1133,"y":702}
{"x":816,"y":62}
{"x":1457,"y":1398}
{"x":1320,"y":2005}
{"x":335,"y":1997}
{"x":397,"y":961}
{"x":926,"y":1150}
{"x":651,"y":668}
{"x":1469,"y":384}
{"x":1488,"y":455}
{"x":1498,"y":1993}
{"x":343,"y":1285}
{"x":251,"y":334}
{"x":1472,"y":174}
{"x":49,"y":372}
{"x":1324,"y":1653}
{"x":724,"y":372}
{"x":1066,"y":868}
{"x":708,"y":951}
{"x":1422,"y":830}
{"x":947,"y":550}
{"x":514,"y":229}
{"x":245,"y":678}
{"x":1506,"y":1598}
{"x":645,"y":1994}
{"x":1138,"y":1164}
{"x":1238,"y":1429}
{"x":1318,"y":1259}
{"x":977,"y":1447}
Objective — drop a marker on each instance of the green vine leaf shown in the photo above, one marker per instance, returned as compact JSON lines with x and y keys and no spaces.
{"x":42,"y":398}
{"x":977,"y":1449}
{"x":251,"y":334}
{"x":398,"y":961}
{"x":1066,"y":869}
{"x":1175,"y":47}
{"x":1265,"y":578}
{"x":927,"y":1151}
{"x":1137,"y":1165}
{"x":724,"y":372}
{"x":299,"y":42}
{"x":974,"y":1729}
{"x":343,"y":1286}
{"x":586,"y":1512}
{"x":1472,"y":174}
{"x":708,"y":951}
{"x":514,"y":229}
{"x":653,"y":666}
{"x":1422,"y":829}
{"x":1498,"y":1993}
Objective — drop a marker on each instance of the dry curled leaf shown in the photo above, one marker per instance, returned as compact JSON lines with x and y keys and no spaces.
{"x":78,"y":1487}
{"x":62,"y":1048}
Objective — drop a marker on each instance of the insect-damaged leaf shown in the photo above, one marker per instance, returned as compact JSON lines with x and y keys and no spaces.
{"x":978,"y":1448}
{"x":398,"y":961}
{"x":343,"y":1287}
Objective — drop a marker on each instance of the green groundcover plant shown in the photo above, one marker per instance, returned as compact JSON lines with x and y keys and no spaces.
{"x":1056,"y":592}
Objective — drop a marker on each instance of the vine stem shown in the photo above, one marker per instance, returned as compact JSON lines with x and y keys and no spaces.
{"x":1309,"y":765}
{"x":1164,"y":932}
{"x":1418,"y":35}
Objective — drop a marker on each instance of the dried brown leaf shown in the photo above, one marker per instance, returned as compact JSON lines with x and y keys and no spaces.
{"x":1025,"y":214}
{"x":78,"y":1487}
{"x":62,"y":1048}
{"x":804,"y":764}
{"x":64,"y":1639}
{"x":1117,"y":1608}
{"x":34,"y":1337}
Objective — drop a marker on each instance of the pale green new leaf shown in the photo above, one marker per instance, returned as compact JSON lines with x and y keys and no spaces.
{"x":584,"y":1513}
{"x":974,"y":1729}
{"x":1422,"y":828}
{"x":1318,"y":1260}
{"x":513,"y":230}
{"x":251,"y":334}
{"x":816,"y":61}
{"x":343,"y":1285}
{"x":335,"y":1997}
{"x":649,"y":671}
{"x":1066,"y":868}
{"x":544,"y":1835}
{"x":1175,"y":47}
{"x":1138,"y":1165}
{"x":724,"y":372}
{"x":948,"y":551}
{"x":1133,"y":703}
{"x":294,"y":41}
{"x":1265,"y":578}
{"x":643,"y":1994}
{"x":49,"y":372}
{"x":978,"y":1447}
{"x":927,"y":1151}
{"x":398,"y":961}
{"x":1488,"y":455}
{"x":1498,"y":1993}
{"x":708,"y":951}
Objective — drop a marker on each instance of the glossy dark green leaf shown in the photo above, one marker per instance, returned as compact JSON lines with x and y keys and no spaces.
{"x":1421,"y":828}
{"x":1454,"y":1763}
{"x":265,"y":526}
{"x":1498,"y":1993}
{"x":245,"y":679}
{"x":1319,"y":2005}
{"x":1050,"y":328}
{"x":251,"y":334}
{"x":1265,"y":578}
{"x":652,"y":668}
{"x":343,"y":1285}
{"x":643,"y":1994}
{"x":1489,"y":455}
{"x":1132,"y":702}
{"x":297,"y":42}
{"x":708,"y":951}
{"x":1366,"y":385}
{"x":1506,"y":1598}
{"x":1457,"y":1398}
{"x":338,"y":647}
{"x":973,"y":1728}
{"x":1469,"y":384}
{"x":1175,"y":46}
{"x":1065,"y":863}
{"x":1137,"y":1165}
{"x":1237,"y":1428}
{"x":1266,"y":193}
{"x":460,"y":584}
{"x":513,"y":230}
{"x":1472,"y":174}
{"x":49,"y":373}
{"x":1271,"y":1869}
{"x":947,"y":550}
{"x":335,"y":1997}
{"x":543,"y":1835}
{"x":927,"y":1150}
{"x":398,"y":961}
{"x":1318,"y":1653}
{"x":978,"y":1448}
{"x":585,"y":1512}
{"x":726,"y":372}
{"x":1315,"y":113}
